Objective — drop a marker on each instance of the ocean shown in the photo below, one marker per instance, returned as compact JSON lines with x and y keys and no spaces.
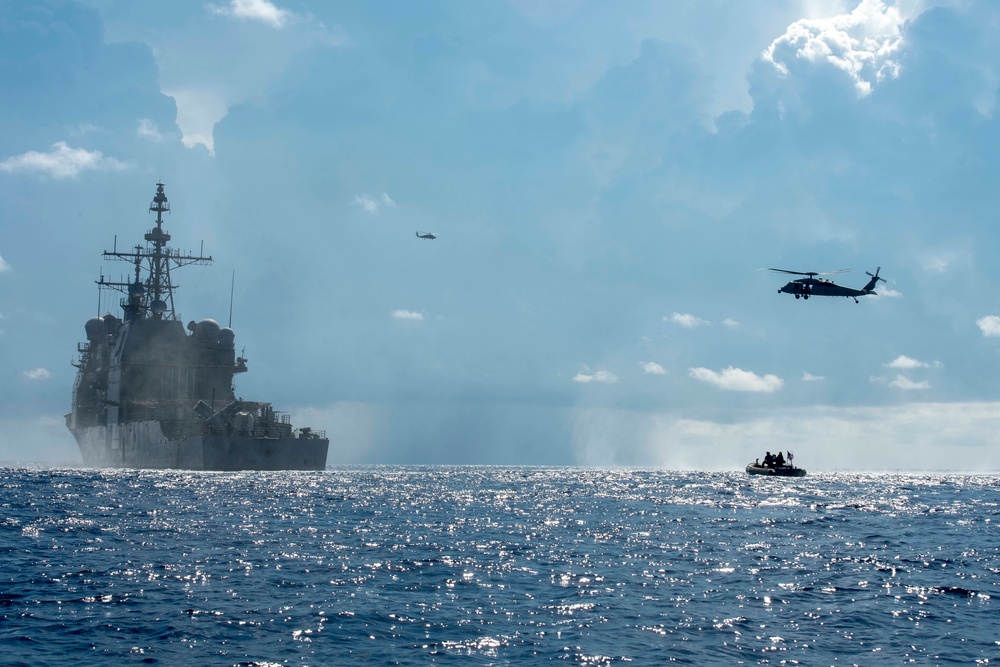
{"x":467,"y":565}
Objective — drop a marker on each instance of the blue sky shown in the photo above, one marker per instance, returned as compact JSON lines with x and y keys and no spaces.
{"x":606,"y":181}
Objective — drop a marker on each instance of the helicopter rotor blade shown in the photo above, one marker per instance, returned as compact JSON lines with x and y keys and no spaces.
{"x":811,"y":273}
{"x":795,"y":273}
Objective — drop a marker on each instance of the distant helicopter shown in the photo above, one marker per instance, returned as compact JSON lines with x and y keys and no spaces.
{"x":425,"y":235}
{"x":813,"y":286}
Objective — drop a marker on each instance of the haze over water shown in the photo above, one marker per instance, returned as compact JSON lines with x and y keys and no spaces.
{"x":496,"y":566}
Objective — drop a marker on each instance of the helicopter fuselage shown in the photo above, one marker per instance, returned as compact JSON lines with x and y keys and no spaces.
{"x":812,"y":286}
{"x":807,"y":287}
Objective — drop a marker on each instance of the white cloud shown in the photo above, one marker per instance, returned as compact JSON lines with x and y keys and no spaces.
{"x":809,"y":377}
{"x":210,"y":69}
{"x":254,"y":10}
{"x":407,"y":315}
{"x":941,"y":261}
{"x":732,"y":324}
{"x":903,"y":382}
{"x":368,"y":204}
{"x":937,"y":263}
{"x":4,"y":266}
{"x":84,"y":129}
{"x":687,"y":321}
{"x":904,"y":362}
{"x":913,"y":436}
{"x":862,"y":44}
{"x":61,"y":162}
{"x":736,"y":379}
{"x":148,"y":129}
{"x":37,"y":374}
{"x":198,"y":110}
{"x":606,"y":377}
{"x":989,"y":325}
{"x":652,"y":368}
{"x":371,"y":205}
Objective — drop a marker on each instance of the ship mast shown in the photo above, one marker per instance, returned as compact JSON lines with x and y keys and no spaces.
{"x":153,"y":297}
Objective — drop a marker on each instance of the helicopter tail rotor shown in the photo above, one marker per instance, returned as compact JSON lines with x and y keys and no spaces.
{"x":870,"y":287}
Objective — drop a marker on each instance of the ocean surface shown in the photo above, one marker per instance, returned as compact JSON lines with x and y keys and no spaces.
{"x":497,"y":566}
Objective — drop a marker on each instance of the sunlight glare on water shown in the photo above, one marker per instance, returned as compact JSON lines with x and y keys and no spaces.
{"x":497,"y":565}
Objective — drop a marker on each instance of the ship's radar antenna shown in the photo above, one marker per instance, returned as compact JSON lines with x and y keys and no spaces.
{"x":157,"y":259}
{"x":160,"y":203}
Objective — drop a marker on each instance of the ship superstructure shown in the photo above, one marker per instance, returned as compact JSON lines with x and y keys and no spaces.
{"x":152,"y":393}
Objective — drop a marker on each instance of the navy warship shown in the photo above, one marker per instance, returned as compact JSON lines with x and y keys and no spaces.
{"x":150,"y":394}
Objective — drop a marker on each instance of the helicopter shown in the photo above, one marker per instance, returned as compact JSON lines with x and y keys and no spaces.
{"x":813,"y":286}
{"x":426,"y":235}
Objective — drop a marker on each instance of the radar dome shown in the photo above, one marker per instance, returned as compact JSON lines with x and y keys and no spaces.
{"x":207,"y":330}
{"x":94,"y":328}
{"x":226,"y":337}
{"x":159,"y":307}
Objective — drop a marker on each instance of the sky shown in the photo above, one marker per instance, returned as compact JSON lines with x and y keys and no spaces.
{"x":608,"y":184}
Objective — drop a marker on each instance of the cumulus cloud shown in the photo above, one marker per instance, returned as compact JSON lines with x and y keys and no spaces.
{"x":148,"y":129}
{"x":254,"y":10}
{"x":407,"y":315}
{"x":687,"y":321}
{"x":372,"y":205}
{"x":886,"y":291}
{"x":606,"y":377}
{"x":903,"y":362}
{"x":913,"y":436}
{"x":903,"y":382}
{"x":198,"y":110}
{"x":942,"y":261}
{"x":221,"y":67}
{"x":862,"y":44}
{"x":37,"y":374}
{"x":809,"y":377}
{"x":989,"y":325}
{"x":737,"y":379}
{"x":652,"y":368}
{"x":61,"y":162}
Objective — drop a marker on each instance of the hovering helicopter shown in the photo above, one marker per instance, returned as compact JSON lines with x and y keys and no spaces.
{"x":813,"y":286}
{"x":425,"y":235}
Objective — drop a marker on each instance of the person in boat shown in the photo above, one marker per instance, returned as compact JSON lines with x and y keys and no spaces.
{"x":768,"y":460}
{"x":779,"y":461}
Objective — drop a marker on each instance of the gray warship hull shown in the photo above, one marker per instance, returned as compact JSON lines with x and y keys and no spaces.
{"x":147,"y":386}
{"x":143,"y":445}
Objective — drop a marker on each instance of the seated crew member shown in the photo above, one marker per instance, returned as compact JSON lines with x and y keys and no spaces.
{"x":768,"y":460}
